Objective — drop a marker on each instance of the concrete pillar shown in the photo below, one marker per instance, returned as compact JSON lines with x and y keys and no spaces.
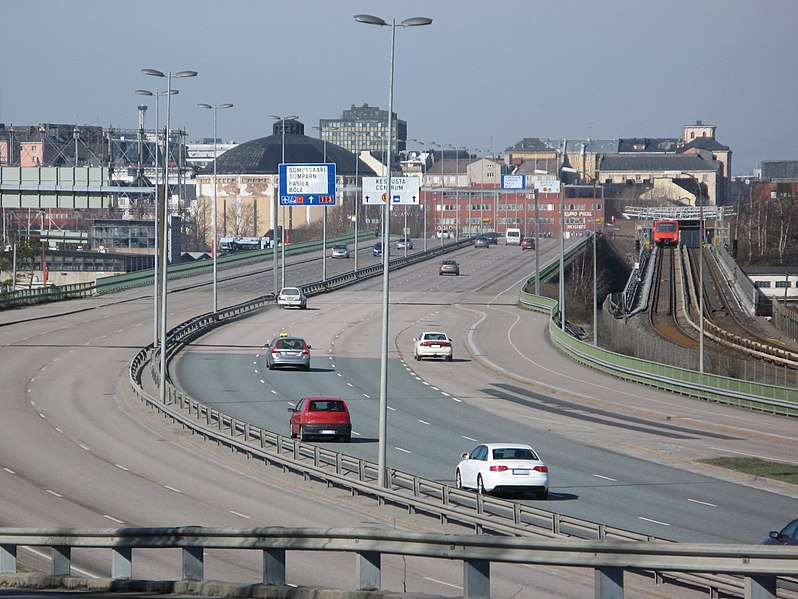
{"x":368,"y":570}
{"x":476,"y":579}
{"x":122,"y":564}
{"x":274,"y":566}
{"x":62,"y":560}
{"x":193,"y":563}
{"x":608,"y":583}
{"x":8,"y":559}
{"x":760,"y":587}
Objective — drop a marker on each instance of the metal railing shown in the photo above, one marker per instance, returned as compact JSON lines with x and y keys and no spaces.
{"x":754,"y":566}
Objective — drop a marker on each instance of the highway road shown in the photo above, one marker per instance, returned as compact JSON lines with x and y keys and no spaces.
{"x":77,"y":451}
{"x":619,"y":454}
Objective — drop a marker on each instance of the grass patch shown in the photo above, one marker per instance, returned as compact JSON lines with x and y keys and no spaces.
{"x":757,"y":467}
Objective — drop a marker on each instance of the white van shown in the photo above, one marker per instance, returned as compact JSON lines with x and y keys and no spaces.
{"x":512,"y":237}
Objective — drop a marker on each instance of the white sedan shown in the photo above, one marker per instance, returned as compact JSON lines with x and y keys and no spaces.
{"x":433,"y":344}
{"x":496,"y":467}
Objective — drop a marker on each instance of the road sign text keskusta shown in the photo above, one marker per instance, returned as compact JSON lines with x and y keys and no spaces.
{"x":404,"y":190}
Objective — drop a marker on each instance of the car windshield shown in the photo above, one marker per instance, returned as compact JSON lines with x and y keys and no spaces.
{"x":290,"y":292}
{"x":339,"y":247}
{"x":514,"y":453}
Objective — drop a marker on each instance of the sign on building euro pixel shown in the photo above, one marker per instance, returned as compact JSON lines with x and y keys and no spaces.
{"x":307,"y":184}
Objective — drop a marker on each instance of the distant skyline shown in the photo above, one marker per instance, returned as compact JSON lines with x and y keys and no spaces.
{"x":483,"y":75}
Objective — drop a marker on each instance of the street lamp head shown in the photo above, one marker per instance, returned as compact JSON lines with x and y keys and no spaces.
{"x":144,"y":92}
{"x":153,"y":72}
{"x":411,"y":22}
{"x":226,"y":105}
{"x":416,"y":22}
{"x":157,"y":73}
{"x":185,"y":74}
{"x":283,"y":118}
{"x":370,"y":20}
{"x":204,"y":105}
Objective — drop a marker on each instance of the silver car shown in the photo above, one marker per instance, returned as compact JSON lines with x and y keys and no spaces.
{"x":287,"y":351}
{"x":340,"y":250}
{"x":404,"y":242}
{"x":292,"y":296}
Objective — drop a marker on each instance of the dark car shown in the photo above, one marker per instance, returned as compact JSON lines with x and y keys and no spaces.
{"x":528,"y":243}
{"x":449,"y":267}
{"x":493,"y":237}
{"x":321,"y":417}
{"x":481,"y":242}
{"x":377,"y":249}
{"x":786,"y":536}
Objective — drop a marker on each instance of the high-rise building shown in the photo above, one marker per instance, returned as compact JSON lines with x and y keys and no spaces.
{"x":364,"y":128}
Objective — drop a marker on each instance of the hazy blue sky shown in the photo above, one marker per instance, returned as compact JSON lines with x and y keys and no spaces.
{"x":483,"y":75}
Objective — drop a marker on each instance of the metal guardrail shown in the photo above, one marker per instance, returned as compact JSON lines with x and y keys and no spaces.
{"x":757,"y":565}
{"x":731,"y":391}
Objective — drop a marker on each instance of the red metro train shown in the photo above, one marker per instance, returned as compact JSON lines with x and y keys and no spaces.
{"x":666,"y":232}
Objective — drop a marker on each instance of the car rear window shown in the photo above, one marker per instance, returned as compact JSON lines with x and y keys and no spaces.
{"x":326,"y":406}
{"x":510,"y":453}
{"x":290,"y":344}
{"x":290,"y":291}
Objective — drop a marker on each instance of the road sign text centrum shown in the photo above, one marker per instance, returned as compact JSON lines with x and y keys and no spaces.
{"x":513,"y":181}
{"x":307,"y":184}
{"x":404,"y":190}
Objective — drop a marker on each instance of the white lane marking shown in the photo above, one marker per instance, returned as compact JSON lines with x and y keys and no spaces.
{"x":367,"y":396}
{"x":615,"y":480}
{"x":112,"y":519}
{"x":425,"y":422}
{"x":42,"y":415}
{"x":350,"y":384}
{"x":391,"y":409}
{"x":653,"y":521}
{"x":172,"y":489}
{"x":262,"y":382}
{"x":240,"y":515}
{"x":447,"y":584}
{"x":403,"y":450}
{"x":121,"y":467}
{"x":256,"y":371}
{"x":84,"y":447}
{"x":338,"y":373}
{"x":468,"y":438}
{"x":273,"y":391}
{"x":51,"y":492}
{"x":9,"y":470}
{"x":701,"y":502}
{"x":446,"y":394}
{"x":425,"y":383}
{"x":435,"y":389}
{"x":356,"y":433}
{"x":457,"y":400}
{"x":753,"y":455}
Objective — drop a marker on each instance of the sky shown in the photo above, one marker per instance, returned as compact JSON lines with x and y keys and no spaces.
{"x":484,"y":75}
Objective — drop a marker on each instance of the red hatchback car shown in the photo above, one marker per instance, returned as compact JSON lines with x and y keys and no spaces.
{"x":321,"y":417}
{"x":528,"y":243}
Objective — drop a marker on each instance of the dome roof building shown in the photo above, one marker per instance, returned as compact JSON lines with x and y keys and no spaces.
{"x":247,"y":182}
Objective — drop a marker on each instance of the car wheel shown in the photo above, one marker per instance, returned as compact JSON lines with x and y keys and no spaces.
{"x":306,"y":367}
{"x":346,"y":438}
{"x":448,"y":358}
{"x":542,"y":494}
{"x":417,"y":357}
{"x":481,"y":486}
{"x":303,"y":436}
{"x":458,"y":479}
{"x":270,"y":366}
{"x":293,"y":434}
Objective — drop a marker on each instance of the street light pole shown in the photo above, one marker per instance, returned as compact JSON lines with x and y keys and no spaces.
{"x":702,"y":235}
{"x":156,"y":269}
{"x":215,"y":240}
{"x":282,"y":120}
{"x":382,"y":480}
{"x":165,"y":224}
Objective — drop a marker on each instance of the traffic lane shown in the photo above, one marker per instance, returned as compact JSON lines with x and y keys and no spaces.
{"x":423,"y":422}
{"x":584,"y":422}
{"x":82,"y":468}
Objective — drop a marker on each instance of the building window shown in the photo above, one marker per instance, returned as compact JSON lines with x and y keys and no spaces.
{"x":783,"y":284}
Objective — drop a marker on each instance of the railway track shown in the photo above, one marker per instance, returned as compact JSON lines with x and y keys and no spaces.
{"x":663,"y":314}
{"x":721,"y":323}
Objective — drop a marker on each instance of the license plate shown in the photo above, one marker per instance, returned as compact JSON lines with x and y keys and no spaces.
{"x":291,"y":354}
{"x":521,"y":471}
{"x":327,"y":432}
